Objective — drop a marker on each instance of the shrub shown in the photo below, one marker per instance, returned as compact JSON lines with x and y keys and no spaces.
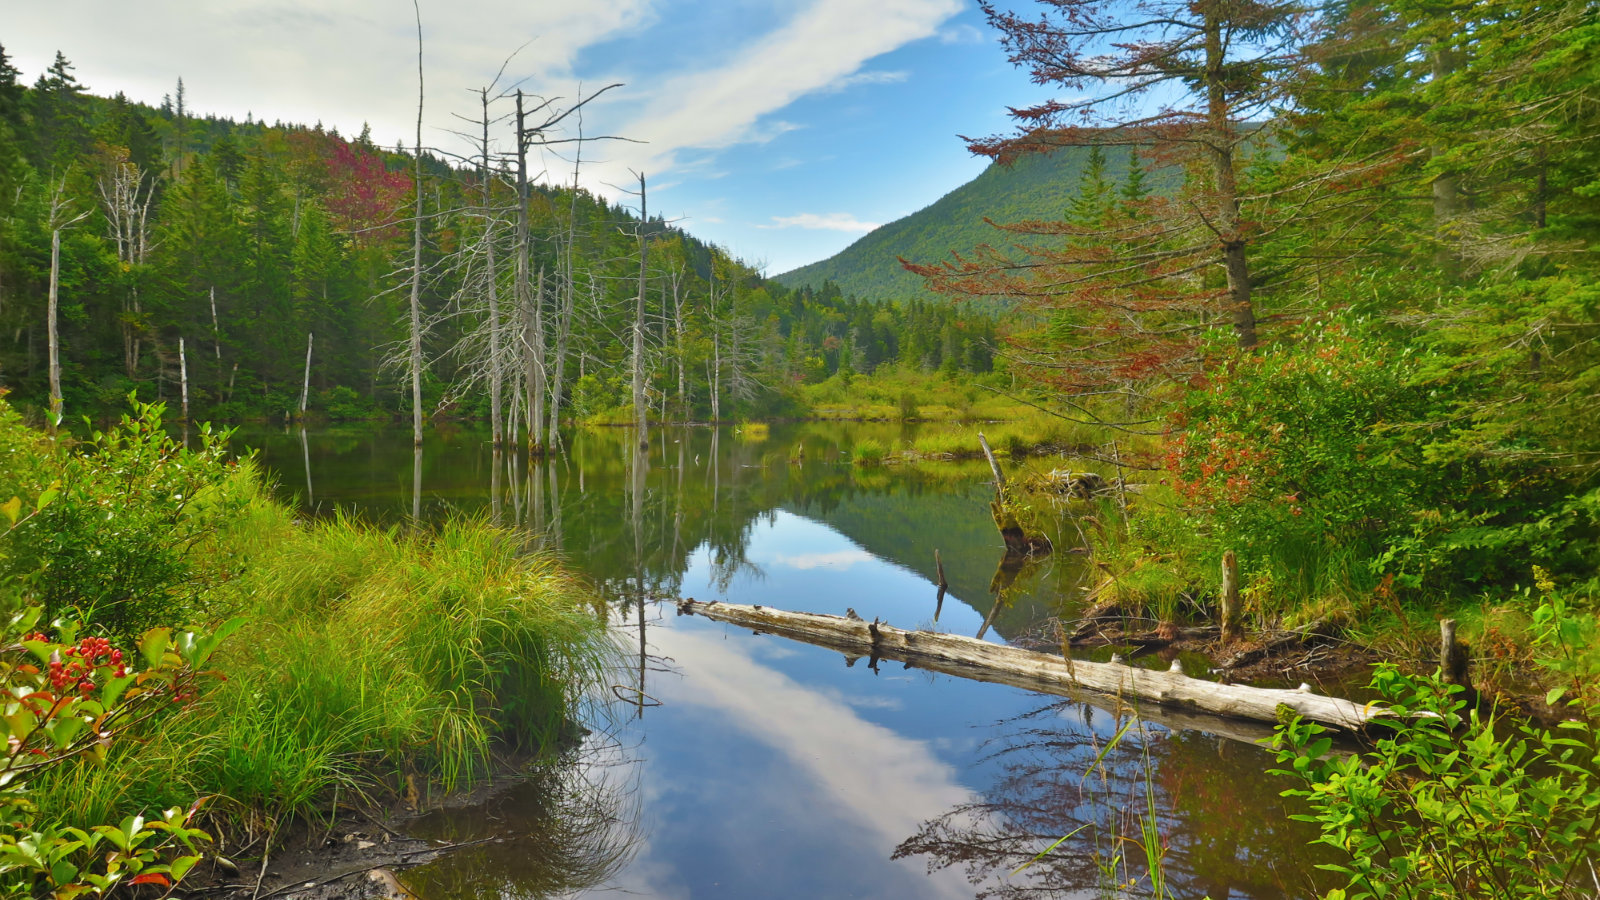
{"x":113,"y":547}
{"x":908,"y":405}
{"x":1458,"y":803}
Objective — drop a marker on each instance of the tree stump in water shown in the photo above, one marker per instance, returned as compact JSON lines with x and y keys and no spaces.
{"x":1018,"y":541}
{"x":1232,"y":629}
{"x":1453,"y":660}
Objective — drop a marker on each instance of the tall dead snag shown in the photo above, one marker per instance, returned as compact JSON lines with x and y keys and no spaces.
{"x":61,"y":218}
{"x":305,"y":387}
{"x":636,"y":362}
{"x":530,"y":302}
{"x":125,"y":195}
{"x":414,"y":355}
{"x":183,"y":379}
{"x":1127,"y":289}
{"x":491,"y":286}
{"x":568,"y":298}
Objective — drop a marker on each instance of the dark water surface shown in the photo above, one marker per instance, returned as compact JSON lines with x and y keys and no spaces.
{"x":724,"y":764}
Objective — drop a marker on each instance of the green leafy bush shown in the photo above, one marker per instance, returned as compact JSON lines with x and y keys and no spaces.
{"x":1340,"y":460}
{"x":113,"y":548}
{"x":1458,"y":803}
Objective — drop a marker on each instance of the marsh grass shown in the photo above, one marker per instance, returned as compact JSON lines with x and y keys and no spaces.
{"x":372,"y":655}
{"x":868,"y":452}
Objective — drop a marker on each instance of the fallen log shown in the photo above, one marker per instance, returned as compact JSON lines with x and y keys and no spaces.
{"x":982,"y":661}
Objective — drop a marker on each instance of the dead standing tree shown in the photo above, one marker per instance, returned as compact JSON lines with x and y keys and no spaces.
{"x":530,"y":298}
{"x":414,"y":337}
{"x":485,"y":353}
{"x":61,"y":217}
{"x":636,"y":359}
{"x":125,"y":195}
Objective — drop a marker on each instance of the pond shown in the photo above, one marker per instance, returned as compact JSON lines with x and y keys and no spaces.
{"x":726,"y":764}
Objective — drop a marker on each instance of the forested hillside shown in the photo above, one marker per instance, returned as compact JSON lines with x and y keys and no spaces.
{"x":157,"y":250}
{"x":1033,"y":187}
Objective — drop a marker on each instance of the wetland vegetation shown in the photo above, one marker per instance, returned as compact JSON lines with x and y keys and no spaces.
{"x":1323,"y":328}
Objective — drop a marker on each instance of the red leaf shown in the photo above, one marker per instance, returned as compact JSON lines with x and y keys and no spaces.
{"x":152,"y":878}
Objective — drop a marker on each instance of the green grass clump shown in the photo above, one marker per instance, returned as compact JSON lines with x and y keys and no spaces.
{"x":868,"y":452}
{"x":371,"y":654}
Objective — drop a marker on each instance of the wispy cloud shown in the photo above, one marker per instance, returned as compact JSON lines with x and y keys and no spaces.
{"x":895,"y":76}
{"x":961,"y":33}
{"x":823,"y":222}
{"x":823,"y":47}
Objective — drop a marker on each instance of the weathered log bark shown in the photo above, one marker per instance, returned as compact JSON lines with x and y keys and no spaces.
{"x":969,"y":658}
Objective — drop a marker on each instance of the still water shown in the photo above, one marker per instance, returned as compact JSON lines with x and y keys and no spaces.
{"x":725,"y":764}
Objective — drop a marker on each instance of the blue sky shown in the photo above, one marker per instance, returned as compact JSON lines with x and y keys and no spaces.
{"x":781,"y":130}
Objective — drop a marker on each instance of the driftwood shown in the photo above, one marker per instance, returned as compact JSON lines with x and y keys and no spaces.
{"x":981,"y":661}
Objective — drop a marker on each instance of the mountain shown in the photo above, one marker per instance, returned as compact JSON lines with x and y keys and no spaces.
{"x":1035,"y":187}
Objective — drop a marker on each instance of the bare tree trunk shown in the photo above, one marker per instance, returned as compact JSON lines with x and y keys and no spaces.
{"x":532,"y":383}
{"x":491,"y":276}
{"x":569,"y":296}
{"x":531,"y":321}
{"x":305,"y":388}
{"x":1220,"y":141}
{"x":563,"y":336}
{"x":639,"y":412}
{"x":55,"y":338}
{"x":59,"y":221}
{"x":716,"y":376}
{"x":216,"y":331}
{"x":183,"y":376}
{"x":416,"y":272}
{"x":678,"y":329}
{"x":305,"y":453}
{"x":536,"y":418}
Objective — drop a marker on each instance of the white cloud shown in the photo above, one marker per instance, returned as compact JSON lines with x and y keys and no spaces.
{"x":961,"y":33}
{"x":897,"y":76}
{"x":837,"y":559}
{"x":822,"y":47}
{"x":309,"y":60}
{"x":875,"y":778}
{"x":824,"y":222}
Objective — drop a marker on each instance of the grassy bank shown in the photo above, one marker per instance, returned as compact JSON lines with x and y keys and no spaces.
{"x":369,"y":663}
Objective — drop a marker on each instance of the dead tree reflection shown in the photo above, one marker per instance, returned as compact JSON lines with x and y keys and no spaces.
{"x":571,"y":826}
{"x":1222,"y":829}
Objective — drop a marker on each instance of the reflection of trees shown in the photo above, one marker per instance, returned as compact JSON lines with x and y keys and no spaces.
{"x":701,"y":490}
{"x":1222,"y":824}
{"x":568,"y":828}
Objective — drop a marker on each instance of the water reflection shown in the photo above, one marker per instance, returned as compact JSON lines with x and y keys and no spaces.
{"x":1069,"y":769}
{"x":569,"y":828}
{"x":751,"y":766}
